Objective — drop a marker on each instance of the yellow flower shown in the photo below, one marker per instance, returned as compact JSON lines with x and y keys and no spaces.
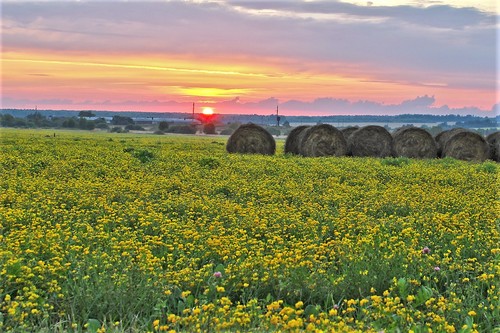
{"x":472,"y":313}
{"x":299,"y":304}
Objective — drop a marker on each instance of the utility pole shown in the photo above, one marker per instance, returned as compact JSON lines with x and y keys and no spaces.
{"x":193,"y":112}
{"x":278,"y":118}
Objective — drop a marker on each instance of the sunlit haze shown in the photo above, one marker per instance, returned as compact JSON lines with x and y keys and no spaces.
{"x":207,"y":111}
{"x":308,"y":57}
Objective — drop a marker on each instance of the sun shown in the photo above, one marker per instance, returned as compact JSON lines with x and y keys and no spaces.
{"x":208,"y":111}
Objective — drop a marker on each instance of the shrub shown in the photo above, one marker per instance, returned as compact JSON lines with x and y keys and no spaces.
{"x":143,"y":155}
{"x":182,"y":129}
{"x":209,"y":162}
{"x":273,"y":131}
{"x":227,"y":131}
{"x":163,"y":126}
{"x":209,"y":128}
{"x":134,"y":127}
{"x":102,"y":126}
{"x":118,"y":129}
{"x":120,"y":120}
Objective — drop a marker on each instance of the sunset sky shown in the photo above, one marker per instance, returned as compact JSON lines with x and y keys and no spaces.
{"x":308,"y":57}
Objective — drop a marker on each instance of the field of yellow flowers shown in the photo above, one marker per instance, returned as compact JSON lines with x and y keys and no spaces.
{"x":136,"y":233}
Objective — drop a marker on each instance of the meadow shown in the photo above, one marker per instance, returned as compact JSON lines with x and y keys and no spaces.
{"x":143,"y":233}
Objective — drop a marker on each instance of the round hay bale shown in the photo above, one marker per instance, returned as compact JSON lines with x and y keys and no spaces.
{"x":348,"y":131}
{"x":371,"y":141}
{"x":251,"y":139}
{"x":444,"y":136}
{"x":292,"y":142}
{"x":493,"y":140}
{"x":467,"y":146}
{"x":414,"y":142}
{"x":322,"y":140}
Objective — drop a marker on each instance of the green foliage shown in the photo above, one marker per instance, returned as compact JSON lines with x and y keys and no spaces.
{"x":273,"y":130}
{"x":118,"y":129}
{"x":488,"y":167}
{"x":209,"y":162}
{"x":163,"y":126}
{"x":101,"y":125}
{"x":134,"y":127}
{"x":143,"y":155}
{"x":209,"y":128}
{"x":181,"y":129}
{"x":227,"y":131}
{"x":121,"y":120}
{"x":87,"y":114}
{"x":7,"y":120}
{"x":395,"y":161}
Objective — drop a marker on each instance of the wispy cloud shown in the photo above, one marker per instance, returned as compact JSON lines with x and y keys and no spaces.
{"x":132,"y":66}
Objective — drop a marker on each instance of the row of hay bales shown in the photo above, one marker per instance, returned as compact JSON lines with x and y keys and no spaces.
{"x":368,"y":141}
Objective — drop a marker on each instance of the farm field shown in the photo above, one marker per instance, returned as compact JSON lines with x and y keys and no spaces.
{"x":141,"y":233}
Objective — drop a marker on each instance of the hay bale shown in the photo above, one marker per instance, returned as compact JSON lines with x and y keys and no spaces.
{"x":371,"y":141}
{"x":292,"y":142}
{"x":348,"y":131}
{"x":414,"y":142}
{"x":251,"y":139}
{"x":322,"y":140}
{"x":444,"y":136}
{"x":466,"y":145}
{"x":493,"y":140}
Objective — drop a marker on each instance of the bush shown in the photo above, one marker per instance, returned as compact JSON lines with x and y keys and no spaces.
{"x":86,"y":124}
{"x":7,"y":120}
{"x":143,"y":155}
{"x":209,"y":129}
{"x":120,"y":120}
{"x":182,"y":129}
{"x":273,"y":131}
{"x":134,"y":127}
{"x":227,"y":131}
{"x":209,"y":162}
{"x":163,"y":125}
{"x":69,"y":123}
{"x":118,"y":129}
{"x":102,"y":126}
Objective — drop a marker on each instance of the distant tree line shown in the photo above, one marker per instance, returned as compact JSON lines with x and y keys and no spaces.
{"x":402,"y":118}
{"x":36,"y":119}
{"x":477,"y":123}
{"x":87,"y":120}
